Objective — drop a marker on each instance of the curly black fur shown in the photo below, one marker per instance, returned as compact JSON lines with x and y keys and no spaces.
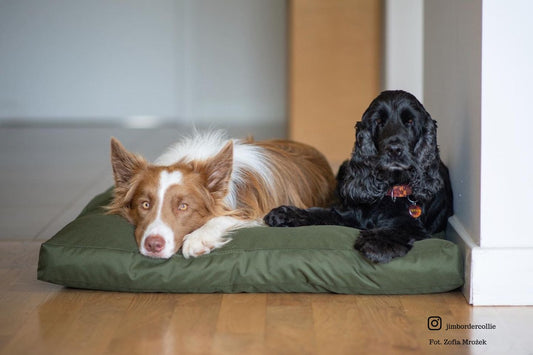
{"x":396,"y":144}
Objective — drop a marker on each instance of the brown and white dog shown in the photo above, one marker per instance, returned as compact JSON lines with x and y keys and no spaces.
{"x":206,"y":186}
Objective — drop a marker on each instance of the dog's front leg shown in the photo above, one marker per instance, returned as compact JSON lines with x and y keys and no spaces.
{"x":291,"y":216}
{"x":381,"y":245}
{"x":212,"y":235}
{"x":287,"y":216}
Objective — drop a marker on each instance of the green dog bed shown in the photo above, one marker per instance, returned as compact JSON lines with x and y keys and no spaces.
{"x":98,"y":251}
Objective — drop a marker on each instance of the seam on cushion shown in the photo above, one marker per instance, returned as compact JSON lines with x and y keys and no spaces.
{"x":211,"y":255}
{"x":218,"y":251}
{"x":86,"y":247}
{"x":346,"y":290}
{"x":221,"y":252}
{"x":247,"y":250}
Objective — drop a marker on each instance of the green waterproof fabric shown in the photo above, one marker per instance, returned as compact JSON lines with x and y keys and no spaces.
{"x":98,"y":251}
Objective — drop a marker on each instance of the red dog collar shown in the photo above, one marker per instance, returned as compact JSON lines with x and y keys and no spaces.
{"x":399,"y":191}
{"x":404,"y":191}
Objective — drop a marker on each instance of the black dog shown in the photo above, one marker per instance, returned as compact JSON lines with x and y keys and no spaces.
{"x":394,"y":188}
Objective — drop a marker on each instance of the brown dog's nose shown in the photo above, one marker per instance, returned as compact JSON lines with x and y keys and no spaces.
{"x":154,"y":243}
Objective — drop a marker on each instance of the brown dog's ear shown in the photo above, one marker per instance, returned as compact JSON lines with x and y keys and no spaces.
{"x":218,"y":169}
{"x":124,"y":163}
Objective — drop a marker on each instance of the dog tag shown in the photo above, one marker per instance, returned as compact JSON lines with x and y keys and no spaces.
{"x":415,"y":211}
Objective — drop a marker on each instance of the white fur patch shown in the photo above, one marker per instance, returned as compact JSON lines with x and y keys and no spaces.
{"x":199,"y":147}
{"x":202,"y":146}
{"x":158,"y":226}
{"x":248,"y":157}
{"x":212,"y":235}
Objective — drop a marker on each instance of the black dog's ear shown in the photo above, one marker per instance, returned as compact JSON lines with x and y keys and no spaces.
{"x":364,"y":144}
{"x":426,"y":151}
{"x":357,"y":179}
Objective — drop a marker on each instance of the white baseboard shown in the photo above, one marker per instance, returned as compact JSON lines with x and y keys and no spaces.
{"x":494,"y":276}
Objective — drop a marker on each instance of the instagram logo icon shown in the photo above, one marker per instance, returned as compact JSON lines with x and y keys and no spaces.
{"x":434,"y":323}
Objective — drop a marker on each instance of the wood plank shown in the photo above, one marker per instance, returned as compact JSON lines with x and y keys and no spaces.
{"x":241,"y":324}
{"x":289,"y":324}
{"x":194,"y":322}
{"x":144,"y":326}
{"x":20,"y":293}
{"x":17,"y":312}
{"x":338,"y":326}
{"x":334,"y":70}
{"x":372,"y":323}
{"x":47,"y":326}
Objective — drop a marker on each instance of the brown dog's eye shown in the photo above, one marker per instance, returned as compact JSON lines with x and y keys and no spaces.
{"x":183,"y":207}
{"x":145,"y":205}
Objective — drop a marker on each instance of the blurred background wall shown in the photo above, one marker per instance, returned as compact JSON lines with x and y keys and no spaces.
{"x":143,"y":62}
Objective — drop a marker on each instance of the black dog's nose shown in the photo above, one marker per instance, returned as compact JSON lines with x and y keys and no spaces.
{"x":395,"y":150}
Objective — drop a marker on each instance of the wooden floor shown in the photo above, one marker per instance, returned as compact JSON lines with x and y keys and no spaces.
{"x":41,"y":318}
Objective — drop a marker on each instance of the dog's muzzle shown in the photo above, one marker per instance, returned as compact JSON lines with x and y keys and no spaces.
{"x":395,"y":155}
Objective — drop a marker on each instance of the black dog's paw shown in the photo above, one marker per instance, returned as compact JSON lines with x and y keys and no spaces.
{"x":380,"y":246}
{"x":287,"y":216}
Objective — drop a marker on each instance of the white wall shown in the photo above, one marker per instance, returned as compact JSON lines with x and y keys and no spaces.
{"x":477,"y":73}
{"x":190,"y":60}
{"x":403,"y":43}
{"x":507,"y":125}
{"x":452,"y":94}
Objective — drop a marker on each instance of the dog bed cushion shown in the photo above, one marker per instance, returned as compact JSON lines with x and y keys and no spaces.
{"x":98,"y":251}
